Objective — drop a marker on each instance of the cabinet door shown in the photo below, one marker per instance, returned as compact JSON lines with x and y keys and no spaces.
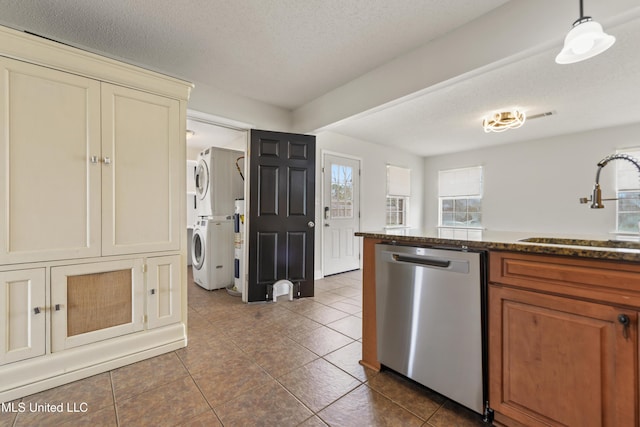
{"x":49,"y":189}
{"x":22,"y":310}
{"x":163,"y":290}
{"x":143,"y":171}
{"x":561,"y":362}
{"x":93,"y":302}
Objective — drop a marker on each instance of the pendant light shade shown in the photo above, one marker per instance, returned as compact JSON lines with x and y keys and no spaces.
{"x":585,"y":40}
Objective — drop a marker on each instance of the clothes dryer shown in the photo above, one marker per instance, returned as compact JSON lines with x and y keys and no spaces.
{"x":203,"y":188}
{"x":218,"y":183}
{"x":212,"y":253}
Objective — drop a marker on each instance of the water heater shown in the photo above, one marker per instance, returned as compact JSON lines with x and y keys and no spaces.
{"x":238,"y":221}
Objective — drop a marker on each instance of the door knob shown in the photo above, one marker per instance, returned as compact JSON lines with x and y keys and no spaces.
{"x":311,"y":224}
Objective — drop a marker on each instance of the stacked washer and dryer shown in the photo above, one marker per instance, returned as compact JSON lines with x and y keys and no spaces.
{"x":218,"y":184}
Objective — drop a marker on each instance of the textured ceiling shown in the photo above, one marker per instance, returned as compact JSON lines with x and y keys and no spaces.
{"x":282,"y":52}
{"x":288,"y":53}
{"x":601,"y":92}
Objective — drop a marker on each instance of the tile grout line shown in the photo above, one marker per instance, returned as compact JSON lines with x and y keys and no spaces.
{"x":198,"y":386}
{"x":113,"y":395}
{"x":322,"y":357}
{"x":14,"y":423}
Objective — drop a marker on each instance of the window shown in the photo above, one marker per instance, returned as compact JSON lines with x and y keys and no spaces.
{"x":398,"y":192}
{"x":396,"y":211}
{"x":628,"y":193}
{"x":341,"y":191}
{"x":460,"y":198}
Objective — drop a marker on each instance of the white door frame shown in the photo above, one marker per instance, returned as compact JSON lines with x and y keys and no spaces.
{"x":320,"y":212}
{"x":246,"y":128}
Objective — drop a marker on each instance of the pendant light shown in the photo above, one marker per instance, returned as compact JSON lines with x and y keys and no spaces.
{"x":585,"y":40}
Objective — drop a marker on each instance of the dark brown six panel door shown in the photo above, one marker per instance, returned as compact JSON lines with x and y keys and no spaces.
{"x":281,"y":212}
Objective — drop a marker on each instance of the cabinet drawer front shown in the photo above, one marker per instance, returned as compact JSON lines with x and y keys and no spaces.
{"x":93,"y":302}
{"x":22,"y":311}
{"x":611,"y":282}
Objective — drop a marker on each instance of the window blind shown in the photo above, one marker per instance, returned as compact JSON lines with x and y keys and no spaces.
{"x":628,"y":177}
{"x":398,"y":181}
{"x":460,"y":182}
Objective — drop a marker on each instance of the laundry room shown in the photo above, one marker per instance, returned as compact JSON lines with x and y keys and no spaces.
{"x":215,"y":203}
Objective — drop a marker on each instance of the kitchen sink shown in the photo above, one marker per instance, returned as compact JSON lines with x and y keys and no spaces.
{"x":621,"y":242}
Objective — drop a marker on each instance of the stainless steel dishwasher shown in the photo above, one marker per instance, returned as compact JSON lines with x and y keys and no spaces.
{"x":430,"y":319}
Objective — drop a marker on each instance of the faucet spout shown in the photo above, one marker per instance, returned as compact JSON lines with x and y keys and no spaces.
{"x":596,"y":197}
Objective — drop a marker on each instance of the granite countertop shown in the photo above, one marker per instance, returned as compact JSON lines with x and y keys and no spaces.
{"x":605,"y":246}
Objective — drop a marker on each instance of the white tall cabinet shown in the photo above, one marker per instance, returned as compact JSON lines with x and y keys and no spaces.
{"x":92,"y":224}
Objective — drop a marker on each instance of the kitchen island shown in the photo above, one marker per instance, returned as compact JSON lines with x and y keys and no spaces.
{"x":562,"y":314}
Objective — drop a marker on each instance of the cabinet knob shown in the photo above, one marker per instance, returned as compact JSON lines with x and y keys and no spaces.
{"x":58,"y":307}
{"x":153,"y":291}
{"x":37,"y":310}
{"x":94,"y":159}
{"x":106,"y":160}
{"x":623,"y":319}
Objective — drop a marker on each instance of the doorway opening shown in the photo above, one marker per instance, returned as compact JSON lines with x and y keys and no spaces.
{"x":216,"y":189}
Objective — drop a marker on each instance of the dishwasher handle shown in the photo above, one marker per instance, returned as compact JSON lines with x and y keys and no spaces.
{"x":430,"y":262}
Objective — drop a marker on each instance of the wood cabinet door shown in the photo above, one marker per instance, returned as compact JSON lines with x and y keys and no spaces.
{"x":49,"y":188}
{"x":22,"y":314}
{"x":555,"y":361}
{"x":142,"y":171}
{"x":94,"y":302}
{"x":163,"y":291}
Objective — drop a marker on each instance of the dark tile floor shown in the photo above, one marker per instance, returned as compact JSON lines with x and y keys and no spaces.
{"x":283,"y":364}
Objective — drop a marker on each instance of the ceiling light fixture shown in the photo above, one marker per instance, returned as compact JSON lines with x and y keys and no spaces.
{"x":499,"y":122}
{"x":585,"y":40}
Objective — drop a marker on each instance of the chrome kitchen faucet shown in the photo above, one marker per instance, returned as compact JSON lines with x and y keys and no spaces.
{"x":596,"y":198}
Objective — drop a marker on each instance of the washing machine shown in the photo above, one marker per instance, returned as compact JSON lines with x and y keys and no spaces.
{"x":212,"y":253}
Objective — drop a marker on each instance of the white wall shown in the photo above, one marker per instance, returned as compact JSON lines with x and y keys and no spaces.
{"x":373,"y":182}
{"x":259,"y":115}
{"x":535,"y":185}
